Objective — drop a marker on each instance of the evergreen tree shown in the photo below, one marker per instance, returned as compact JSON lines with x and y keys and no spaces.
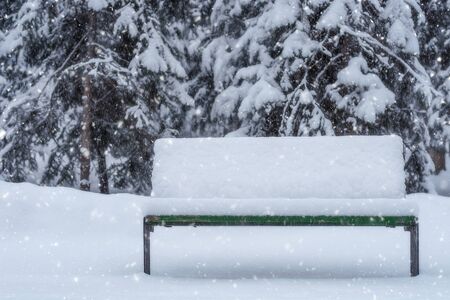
{"x":196,"y":35}
{"x":22,"y":41}
{"x":161,"y":97}
{"x":98,"y":84}
{"x":321,"y":67}
{"x":86,"y":86}
{"x":436,"y":40}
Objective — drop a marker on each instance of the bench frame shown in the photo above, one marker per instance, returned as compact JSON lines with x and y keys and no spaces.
{"x":410,"y":223}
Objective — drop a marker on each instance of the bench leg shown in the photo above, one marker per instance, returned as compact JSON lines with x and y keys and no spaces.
{"x":414,"y":248}
{"x":147,"y":229}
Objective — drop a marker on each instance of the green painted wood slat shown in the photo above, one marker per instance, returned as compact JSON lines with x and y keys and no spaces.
{"x":324,"y":220}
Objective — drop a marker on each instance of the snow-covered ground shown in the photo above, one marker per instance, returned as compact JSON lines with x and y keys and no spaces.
{"x":58,"y":243}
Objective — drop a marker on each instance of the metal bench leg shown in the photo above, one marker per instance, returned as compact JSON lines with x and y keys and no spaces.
{"x":147,"y":229}
{"x":414,"y":248}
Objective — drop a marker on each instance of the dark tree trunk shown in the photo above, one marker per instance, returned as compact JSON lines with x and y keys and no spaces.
{"x":86,"y":123}
{"x":86,"y":135}
{"x":102,"y":172}
{"x":438,"y":157}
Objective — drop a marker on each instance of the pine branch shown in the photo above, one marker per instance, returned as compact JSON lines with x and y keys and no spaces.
{"x":61,"y":68}
{"x":374,"y":41}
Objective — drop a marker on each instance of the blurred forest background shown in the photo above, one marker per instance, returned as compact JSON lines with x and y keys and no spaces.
{"x":86,"y":86}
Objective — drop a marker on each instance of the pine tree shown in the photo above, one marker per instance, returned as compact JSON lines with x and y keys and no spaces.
{"x":21,"y":44}
{"x":436,"y":40}
{"x":98,"y":94}
{"x":393,"y":91}
{"x":321,"y":67}
{"x":242,"y":59}
{"x":195,"y":36}
{"x":161,"y":97}
{"x":86,"y":86}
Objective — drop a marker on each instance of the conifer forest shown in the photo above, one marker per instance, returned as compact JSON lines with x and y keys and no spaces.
{"x":87,"y":86}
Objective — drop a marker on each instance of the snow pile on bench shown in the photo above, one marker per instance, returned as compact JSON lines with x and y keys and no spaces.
{"x":283,"y":207}
{"x":281,"y":167}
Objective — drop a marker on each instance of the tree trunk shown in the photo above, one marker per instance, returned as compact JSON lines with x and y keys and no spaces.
{"x":86,"y":135}
{"x":86,"y":123}
{"x":438,"y":157}
{"x":102,"y":172}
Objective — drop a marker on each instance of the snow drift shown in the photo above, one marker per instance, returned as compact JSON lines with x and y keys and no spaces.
{"x":62,"y":231}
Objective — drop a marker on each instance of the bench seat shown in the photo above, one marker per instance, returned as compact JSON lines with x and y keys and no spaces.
{"x":324,"y":220}
{"x":281,"y":207}
{"x":409,"y":222}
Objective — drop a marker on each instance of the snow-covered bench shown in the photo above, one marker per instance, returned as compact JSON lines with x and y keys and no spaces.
{"x":292,"y":181}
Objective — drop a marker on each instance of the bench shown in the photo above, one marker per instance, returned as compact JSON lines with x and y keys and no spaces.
{"x":320,"y":181}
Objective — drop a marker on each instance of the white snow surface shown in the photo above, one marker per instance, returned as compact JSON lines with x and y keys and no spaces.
{"x":97,"y":5}
{"x":335,"y":14}
{"x":281,"y":167}
{"x":60,"y":243}
{"x":125,"y":21}
{"x":259,"y":95}
{"x":283,"y":207}
{"x":375,"y":96}
{"x":401,"y":32}
{"x":282,"y":13}
{"x":299,"y":44}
